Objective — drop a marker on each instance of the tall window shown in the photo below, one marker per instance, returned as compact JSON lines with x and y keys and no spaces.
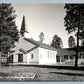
{"x":79,"y":56}
{"x":20,"y":57}
{"x":65,"y":56}
{"x":11,"y":59}
{"x":40,"y":55}
{"x":83,"y":55}
{"x":51,"y":54}
{"x":58,"y":58}
{"x":48,"y":54}
{"x":71,"y":57}
{"x":32,"y":56}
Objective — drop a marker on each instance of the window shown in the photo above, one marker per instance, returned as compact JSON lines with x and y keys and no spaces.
{"x":20,"y":57}
{"x":48,"y":54}
{"x":40,"y":55}
{"x":65,"y":56}
{"x":71,"y":57}
{"x":79,"y":56}
{"x":83,"y":55}
{"x":51,"y":54}
{"x":58,"y":58}
{"x":11,"y":59}
{"x":32,"y":56}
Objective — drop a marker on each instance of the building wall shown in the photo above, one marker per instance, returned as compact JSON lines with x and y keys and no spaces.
{"x":15,"y":57}
{"x":24,"y":58}
{"x":47,"y":56}
{"x":23,"y":44}
{"x":27,"y":58}
{"x":70,"y":57}
{"x":40,"y":56}
{"x":35,"y":58}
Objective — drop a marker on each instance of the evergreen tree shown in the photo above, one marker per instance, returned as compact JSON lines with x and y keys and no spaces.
{"x":74,"y":22}
{"x":57,"y":42}
{"x":82,"y":42}
{"x":71,"y":42}
{"x":8,"y":29}
{"x":41,"y":37}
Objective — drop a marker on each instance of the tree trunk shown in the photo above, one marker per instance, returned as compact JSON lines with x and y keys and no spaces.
{"x":77,"y":50}
{"x":0,"y":58}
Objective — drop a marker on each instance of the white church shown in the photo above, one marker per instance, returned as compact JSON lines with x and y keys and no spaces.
{"x":29,"y":51}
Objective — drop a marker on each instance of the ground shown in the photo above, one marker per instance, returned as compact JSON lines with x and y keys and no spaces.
{"x":42,"y":73}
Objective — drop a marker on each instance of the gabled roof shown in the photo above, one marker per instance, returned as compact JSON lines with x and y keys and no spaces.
{"x":70,"y":51}
{"x":39,"y":44}
{"x":66,"y":52}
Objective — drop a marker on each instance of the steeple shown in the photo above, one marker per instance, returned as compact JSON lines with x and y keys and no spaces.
{"x":24,"y":30}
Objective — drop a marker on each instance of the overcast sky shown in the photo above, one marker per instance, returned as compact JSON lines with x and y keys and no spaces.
{"x":46,"y":18}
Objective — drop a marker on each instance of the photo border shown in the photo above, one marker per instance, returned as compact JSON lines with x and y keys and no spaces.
{"x":45,"y":2}
{"x":41,"y":1}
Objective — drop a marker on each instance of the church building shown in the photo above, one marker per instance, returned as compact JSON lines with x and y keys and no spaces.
{"x":29,"y":51}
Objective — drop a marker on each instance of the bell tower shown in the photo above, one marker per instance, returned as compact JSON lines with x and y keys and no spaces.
{"x":24,"y":31}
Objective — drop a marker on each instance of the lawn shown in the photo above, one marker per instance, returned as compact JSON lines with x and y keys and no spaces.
{"x":41,"y":73}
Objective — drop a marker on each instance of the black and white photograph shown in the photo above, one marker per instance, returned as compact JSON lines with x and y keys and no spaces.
{"x":41,"y":42}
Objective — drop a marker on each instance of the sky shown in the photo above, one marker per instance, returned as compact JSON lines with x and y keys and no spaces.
{"x":46,"y":18}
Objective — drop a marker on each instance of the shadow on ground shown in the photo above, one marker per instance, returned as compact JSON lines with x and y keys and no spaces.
{"x":57,"y":67}
{"x":65,"y":67}
{"x":69,"y":74}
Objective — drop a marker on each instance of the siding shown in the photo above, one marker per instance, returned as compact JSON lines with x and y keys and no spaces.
{"x":35,"y":52}
{"x":15,"y":58}
{"x":23,"y":44}
{"x":44,"y":58}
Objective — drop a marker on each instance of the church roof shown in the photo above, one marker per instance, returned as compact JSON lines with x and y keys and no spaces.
{"x":40,"y":44}
{"x":23,"y":26}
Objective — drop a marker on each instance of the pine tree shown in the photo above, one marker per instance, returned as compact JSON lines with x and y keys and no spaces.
{"x":41,"y":37}
{"x":57,"y":42}
{"x":8,"y":29}
{"x":71,"y":42}
{"x":82,"y":42}
{"x":74,"y":22}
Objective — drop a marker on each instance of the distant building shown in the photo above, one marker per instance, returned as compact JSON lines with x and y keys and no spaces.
{"x":67,"y":55}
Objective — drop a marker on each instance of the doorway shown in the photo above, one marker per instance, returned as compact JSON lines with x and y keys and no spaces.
{"x":20,"y":57}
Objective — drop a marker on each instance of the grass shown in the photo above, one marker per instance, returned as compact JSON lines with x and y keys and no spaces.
{"x":42,"y":73}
